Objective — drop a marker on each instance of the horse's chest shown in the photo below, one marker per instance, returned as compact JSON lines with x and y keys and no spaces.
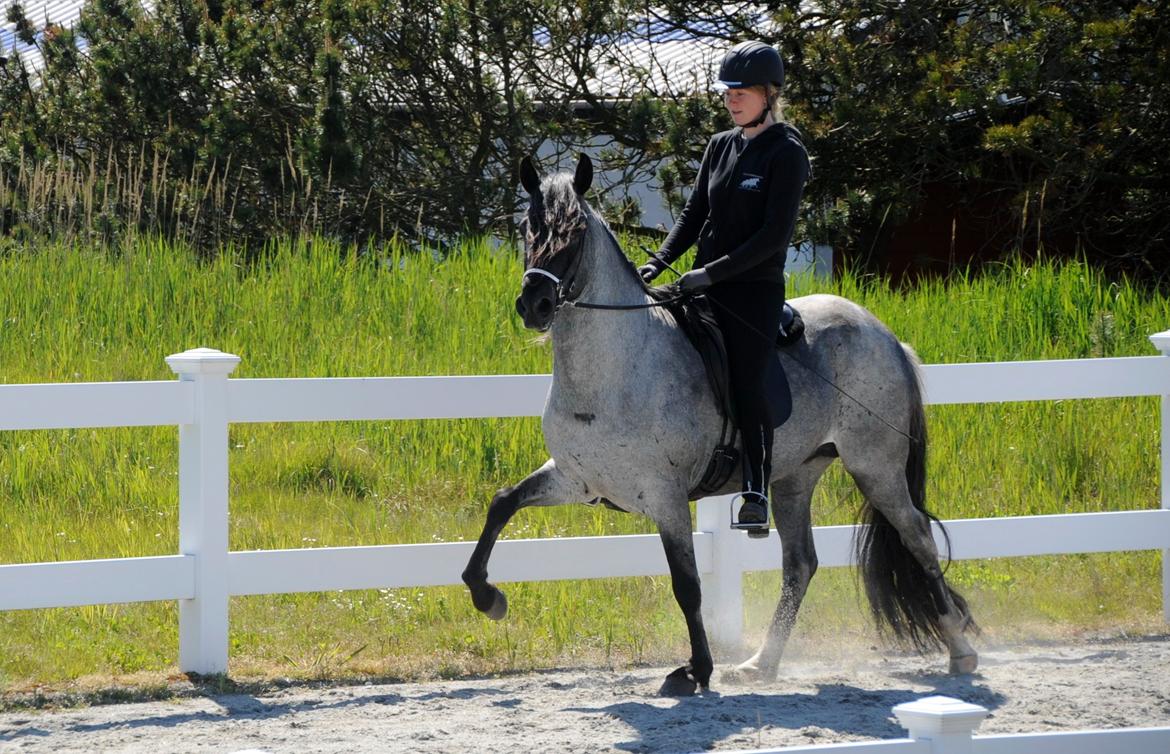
{"x":587,"y":439}
{"x":626,"y":456}
{"x":599,"y":448}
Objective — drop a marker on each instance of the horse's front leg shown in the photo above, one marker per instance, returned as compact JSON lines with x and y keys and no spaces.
{"x":679,"y":543}
{"x":545,"y":486}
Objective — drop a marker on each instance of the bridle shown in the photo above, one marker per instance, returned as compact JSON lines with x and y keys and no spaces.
{"x":564,"y":287}
{"x":564,"y":292}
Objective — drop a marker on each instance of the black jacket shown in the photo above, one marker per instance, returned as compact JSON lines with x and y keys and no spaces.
{"x":744,"y":205}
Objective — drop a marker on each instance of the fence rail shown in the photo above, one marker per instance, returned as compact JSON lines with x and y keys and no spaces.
{"x":95,"y":404}
{"x":304,"y":399}
{"x":97,"y":582}
{"x":203,"y":402}
{"x":403,"y":566}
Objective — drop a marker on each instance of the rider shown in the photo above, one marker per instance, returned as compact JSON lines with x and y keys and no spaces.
{"x":742,"y":211}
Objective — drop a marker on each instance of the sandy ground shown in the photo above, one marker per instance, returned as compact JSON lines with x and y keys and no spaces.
{"x":1108,"y":684}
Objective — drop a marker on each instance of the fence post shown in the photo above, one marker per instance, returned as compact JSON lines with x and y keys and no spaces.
{"x":203,"y":509}
{"x":1161,"y":341}
{"x":945,"y":722}
{"x":723,"y":587}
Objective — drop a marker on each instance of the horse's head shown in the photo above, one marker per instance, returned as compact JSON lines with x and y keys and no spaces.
{"x":554,"y":230}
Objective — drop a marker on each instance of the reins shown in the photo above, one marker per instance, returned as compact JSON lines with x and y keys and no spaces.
{"x":772,"y":342}
{"x":629,"y":307}
{"x":564,"y":300}
{"x":826,"y":380}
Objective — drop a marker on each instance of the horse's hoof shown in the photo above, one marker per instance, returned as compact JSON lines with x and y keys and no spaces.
{"x":747,"y":672}
{"x":679,"y":683}
{"x":499,"y":606}
{"x":964,"y":665}
{"x":489,"y":600}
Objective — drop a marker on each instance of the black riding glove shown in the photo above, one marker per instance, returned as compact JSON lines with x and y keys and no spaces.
{"x":648,"y":272}
{"x":695,"y":281}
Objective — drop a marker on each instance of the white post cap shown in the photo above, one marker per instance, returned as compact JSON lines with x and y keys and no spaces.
{"x":1161,"y":341}
{"x":202,"y":361}
{"x":939,"y":716}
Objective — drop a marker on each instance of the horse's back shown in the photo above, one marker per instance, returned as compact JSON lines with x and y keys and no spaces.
{"x":848,"y":359}
{"x":841,"y":330}
{"x":825,"y":311}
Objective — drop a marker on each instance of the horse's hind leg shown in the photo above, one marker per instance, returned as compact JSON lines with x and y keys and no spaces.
{"x":791,"y":510}
{"x":545,"y":486}
{"x":890,"y":496}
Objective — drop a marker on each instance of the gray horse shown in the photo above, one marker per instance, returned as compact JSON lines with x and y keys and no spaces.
{"x":631,"y":420}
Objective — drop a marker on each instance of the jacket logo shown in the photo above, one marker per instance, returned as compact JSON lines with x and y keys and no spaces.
{"x":750,"y":182}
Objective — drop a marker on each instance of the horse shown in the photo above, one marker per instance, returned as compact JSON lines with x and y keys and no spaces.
{"x":631,"y":420}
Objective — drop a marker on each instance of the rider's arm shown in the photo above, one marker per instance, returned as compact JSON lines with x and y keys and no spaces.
{"x":690,"y":222}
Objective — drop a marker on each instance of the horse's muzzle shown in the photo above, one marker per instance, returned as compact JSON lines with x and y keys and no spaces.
{"x":537,"y":304}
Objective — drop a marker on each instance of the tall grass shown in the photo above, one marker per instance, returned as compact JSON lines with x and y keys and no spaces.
{"x":72,"y":312}
{"x":126,"y":196}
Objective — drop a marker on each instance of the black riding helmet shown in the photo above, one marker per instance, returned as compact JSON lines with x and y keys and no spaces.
{"x":751,"y":64}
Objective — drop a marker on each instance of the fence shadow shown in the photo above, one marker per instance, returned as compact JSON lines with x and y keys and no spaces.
{"x":700,"y":722}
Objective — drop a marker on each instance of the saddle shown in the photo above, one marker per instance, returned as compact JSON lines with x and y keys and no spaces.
{"x":697,"y":320}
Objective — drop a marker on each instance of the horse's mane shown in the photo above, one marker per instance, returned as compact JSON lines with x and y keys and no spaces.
{"x":558,"y":216}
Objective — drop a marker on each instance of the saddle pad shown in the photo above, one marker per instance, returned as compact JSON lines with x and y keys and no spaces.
{"x":697,"y":320}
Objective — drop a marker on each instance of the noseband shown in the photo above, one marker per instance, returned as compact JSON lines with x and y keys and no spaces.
{"x":564,"y":288}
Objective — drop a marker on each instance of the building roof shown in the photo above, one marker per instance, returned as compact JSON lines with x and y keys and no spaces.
{"x":38,"y":12}
{"x":654,"y":54}
{"x":659,"y":56}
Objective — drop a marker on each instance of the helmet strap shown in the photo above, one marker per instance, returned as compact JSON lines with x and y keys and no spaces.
{"x":762,"y":117}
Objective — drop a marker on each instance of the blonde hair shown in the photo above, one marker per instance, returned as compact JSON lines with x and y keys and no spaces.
{"x":776,"y":103}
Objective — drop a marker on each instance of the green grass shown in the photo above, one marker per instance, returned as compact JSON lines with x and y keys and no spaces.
{"x":313,"y":310}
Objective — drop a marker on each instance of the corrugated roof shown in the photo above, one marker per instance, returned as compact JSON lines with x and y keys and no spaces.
{"x":664,"y":68}
{"x":39,"y":13}
{"x":652,"y":55}
{"x":659,"y":56}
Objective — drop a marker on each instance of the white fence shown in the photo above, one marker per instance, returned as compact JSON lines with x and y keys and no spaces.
{"x":205,"y":574}
{"x":941,"y":725}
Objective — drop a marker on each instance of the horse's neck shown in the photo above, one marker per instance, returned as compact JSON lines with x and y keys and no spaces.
{"x":592,"y":348}
{"x":610,"y":278}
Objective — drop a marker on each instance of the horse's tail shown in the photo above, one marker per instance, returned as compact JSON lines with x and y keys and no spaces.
{"x":902,"y":596}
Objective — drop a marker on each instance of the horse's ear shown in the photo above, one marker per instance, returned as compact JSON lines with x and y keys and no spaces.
{"x":583,"y":178}
{"x":528,"y":176}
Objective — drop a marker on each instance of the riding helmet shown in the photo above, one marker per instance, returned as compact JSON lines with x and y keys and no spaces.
{"x":751,"y":64}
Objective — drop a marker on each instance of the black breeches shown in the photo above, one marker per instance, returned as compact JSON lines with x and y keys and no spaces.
{"x":749,"y":316}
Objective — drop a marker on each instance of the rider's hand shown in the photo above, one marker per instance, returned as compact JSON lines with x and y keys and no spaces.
{"x":695,"y":281}
{"x":648,"y":272}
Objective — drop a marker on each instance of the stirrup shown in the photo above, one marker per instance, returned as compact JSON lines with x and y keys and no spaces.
{"x":758,"y":527}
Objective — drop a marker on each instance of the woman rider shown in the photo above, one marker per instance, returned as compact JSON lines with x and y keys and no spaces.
{"x":742,"y":212}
